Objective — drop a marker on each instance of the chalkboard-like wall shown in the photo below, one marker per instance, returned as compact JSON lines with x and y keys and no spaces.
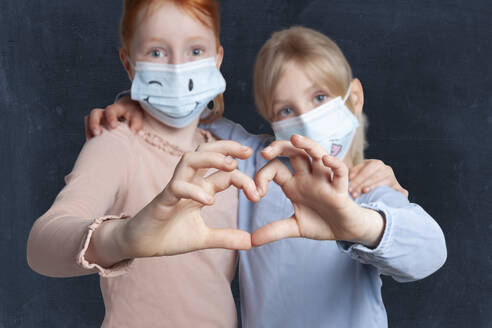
{"x":427,"y":75}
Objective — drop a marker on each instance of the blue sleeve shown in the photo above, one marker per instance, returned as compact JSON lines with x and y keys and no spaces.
{"x":412,"y":246}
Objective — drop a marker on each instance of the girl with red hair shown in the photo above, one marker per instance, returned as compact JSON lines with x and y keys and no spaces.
{"x":131,"y":200}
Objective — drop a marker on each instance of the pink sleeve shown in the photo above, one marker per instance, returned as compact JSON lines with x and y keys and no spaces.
{"x":59,"y":239}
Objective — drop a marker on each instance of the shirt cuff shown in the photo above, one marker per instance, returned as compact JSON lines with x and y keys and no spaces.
{"x":363,"y":253}
{"x":117,"y":269}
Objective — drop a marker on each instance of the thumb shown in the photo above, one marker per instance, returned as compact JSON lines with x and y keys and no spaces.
{"x":233,"y":239}
{"x":286,"y":228}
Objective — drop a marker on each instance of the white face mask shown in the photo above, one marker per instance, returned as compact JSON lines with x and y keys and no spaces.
{"x":332,"y":125}
{"x":177,"y":94}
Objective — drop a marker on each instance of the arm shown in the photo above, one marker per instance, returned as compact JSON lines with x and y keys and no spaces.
{"x":408,"y":246}
{"x":59,"y":235}
{"x":412,"y":246}
{"x":171,"y":223}
{"x":76,"y":228}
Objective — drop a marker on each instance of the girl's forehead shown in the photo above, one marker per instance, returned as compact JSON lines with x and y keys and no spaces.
{"x":167,"y":21}
{"x":293,"y":78}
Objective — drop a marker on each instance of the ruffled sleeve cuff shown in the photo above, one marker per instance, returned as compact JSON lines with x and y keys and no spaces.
{"x":363,"y":253}
{"x":113,"y":271}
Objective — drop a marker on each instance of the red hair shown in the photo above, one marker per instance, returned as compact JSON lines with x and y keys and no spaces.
{"x":206,"y":11}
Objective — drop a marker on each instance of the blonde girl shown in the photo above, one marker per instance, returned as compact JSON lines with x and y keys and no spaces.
{"x":331,"y":276}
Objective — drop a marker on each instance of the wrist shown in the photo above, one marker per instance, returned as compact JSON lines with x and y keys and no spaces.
{"x":374,"y":225}
{"x":108,"y":243}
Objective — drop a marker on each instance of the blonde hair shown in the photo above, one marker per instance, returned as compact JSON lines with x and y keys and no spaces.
{"x":324,"y":64}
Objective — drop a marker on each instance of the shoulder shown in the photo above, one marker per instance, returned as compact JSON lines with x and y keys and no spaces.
{"x":119,"y":138}
{"x":112,"y":146}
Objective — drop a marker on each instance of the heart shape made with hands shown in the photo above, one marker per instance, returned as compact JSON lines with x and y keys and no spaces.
{"x":318,"y":190}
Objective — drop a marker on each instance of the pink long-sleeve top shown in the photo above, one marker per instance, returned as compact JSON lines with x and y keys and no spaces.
{"x":114,"y":177}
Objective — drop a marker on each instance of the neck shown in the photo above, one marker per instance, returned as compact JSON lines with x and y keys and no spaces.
{"x":185,"y":138}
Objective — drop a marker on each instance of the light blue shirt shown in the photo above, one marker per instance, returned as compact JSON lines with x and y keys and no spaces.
{"x":307,"y":283}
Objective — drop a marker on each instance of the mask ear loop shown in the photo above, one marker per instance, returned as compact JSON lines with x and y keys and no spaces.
{"x":347,"y":95}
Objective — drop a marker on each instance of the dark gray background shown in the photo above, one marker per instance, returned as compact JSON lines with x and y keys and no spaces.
{"x":425,"y":66}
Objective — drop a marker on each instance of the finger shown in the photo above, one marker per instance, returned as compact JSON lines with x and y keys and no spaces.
{"x":354,"y":171}
{"x":193,"y":161}
{"x":177,"y":190}
{"x":314,"y":149}
{"x":136,"y":120}
{"x":388,"y":181}
{"x":368,"y":169}
{"x":228,"y":238}
{"x":281,"y":148}
{"x":301,"y":164}
{"x":340,"y":172}
{"x":226,"y":147}
{"x":376,"y":180}
{"x":95,"y":119}
{"x":88,"y":132}
{"x":274,"y":170}
{"x":113,"y":113}
{"x":220,"y":181}
{"x":274,"y":231}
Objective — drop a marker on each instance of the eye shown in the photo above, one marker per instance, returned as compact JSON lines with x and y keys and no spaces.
{"x":318,"y":99}
{"x":157,"y":53}
{"x":196,"y":52}
{"x":284,"y":112}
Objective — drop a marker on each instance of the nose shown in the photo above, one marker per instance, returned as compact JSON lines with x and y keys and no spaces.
{"x":304,"y":108}
{"x":176,"y":59}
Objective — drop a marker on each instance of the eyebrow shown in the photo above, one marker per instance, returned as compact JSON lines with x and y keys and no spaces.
{"x":154,"y":39}
{"x":160,"y":40}
{"x":308,"y":90}
{"x":197,"y":38}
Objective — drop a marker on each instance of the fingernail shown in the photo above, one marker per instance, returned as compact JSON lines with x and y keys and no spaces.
{"x":260,"y":190}
{"x":98,"y":132}
{"x":207,"y":198}
{"x":355,"y":194}
{"x":257,"y":194}
{"x":114,"y":125}
{"x":229,"y":159}
{"x":244,"y":149}
{"x":267,"y":149}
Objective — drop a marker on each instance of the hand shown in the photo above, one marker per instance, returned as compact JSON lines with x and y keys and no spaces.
{"x":318,"y":190}
{"x":124,"y":109}
{"x":171,"y":223}
{"x":370,"y":174}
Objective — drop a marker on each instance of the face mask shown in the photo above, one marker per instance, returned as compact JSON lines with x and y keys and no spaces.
{"x":332,"y":125}
{"x":176,"y":94}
